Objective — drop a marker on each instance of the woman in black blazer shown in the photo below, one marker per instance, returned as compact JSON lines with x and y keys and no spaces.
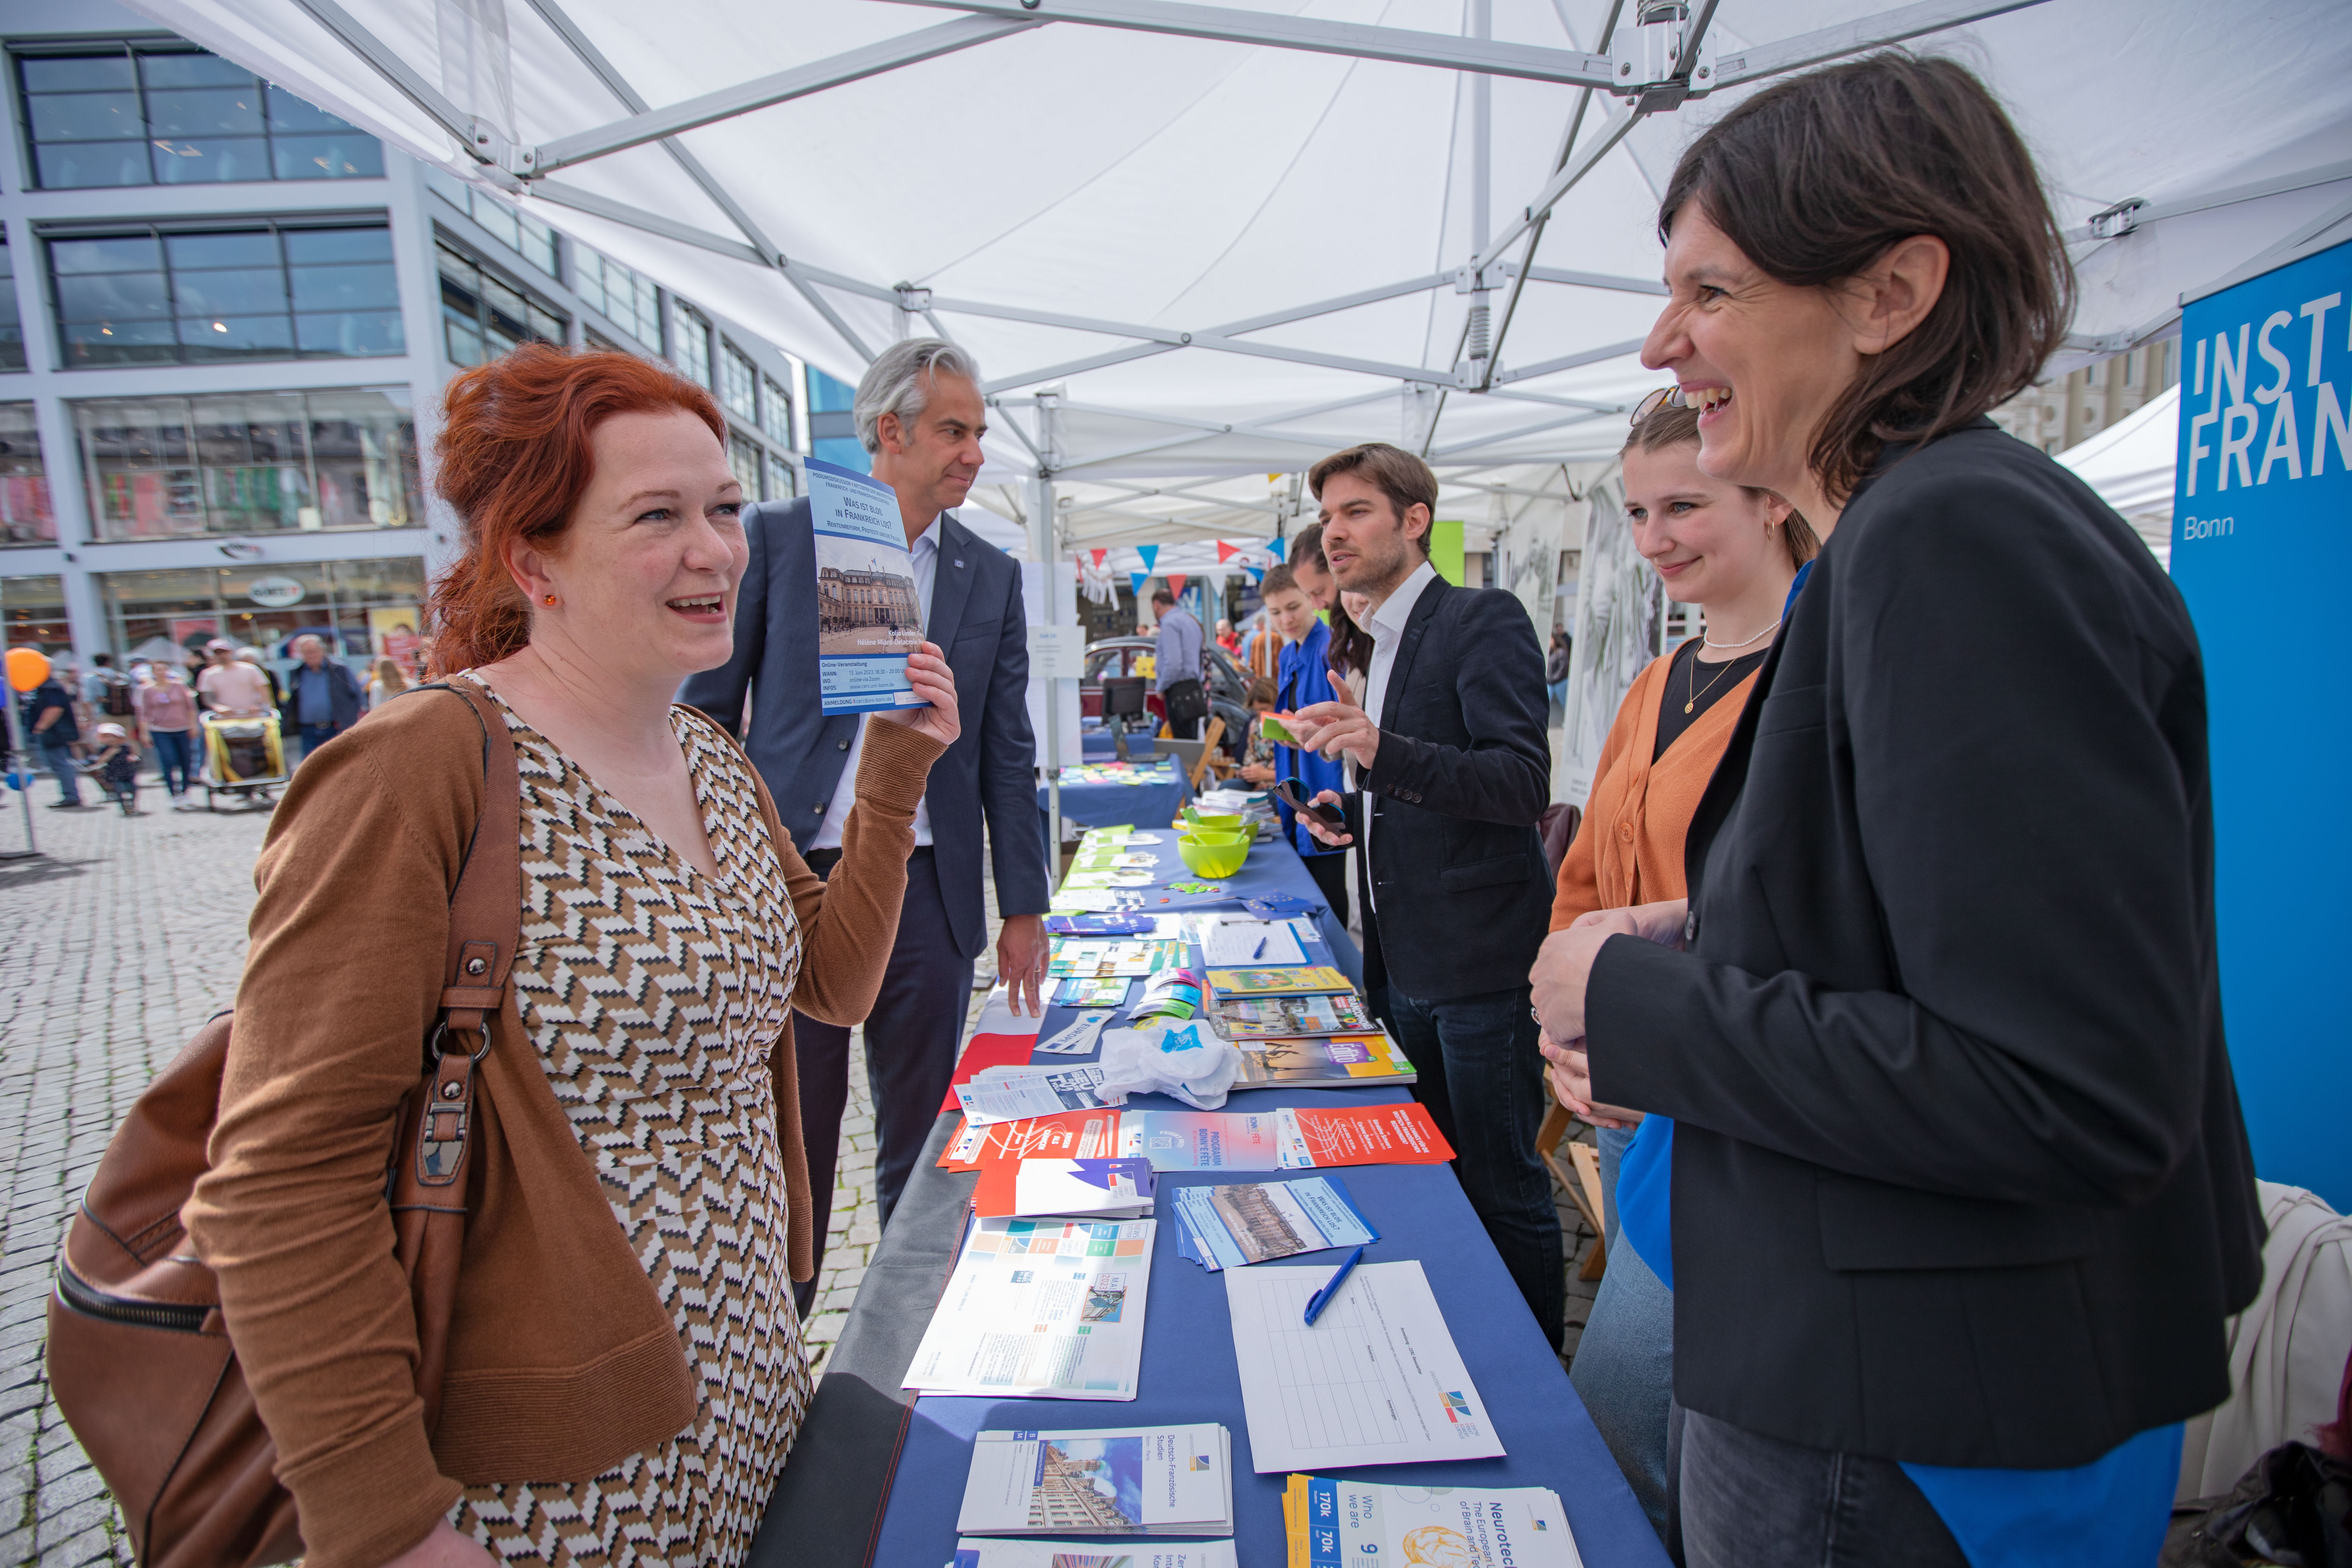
{"x":1959,"y":1192}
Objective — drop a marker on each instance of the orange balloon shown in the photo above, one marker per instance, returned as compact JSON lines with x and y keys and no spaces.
{"x":27,"y":668}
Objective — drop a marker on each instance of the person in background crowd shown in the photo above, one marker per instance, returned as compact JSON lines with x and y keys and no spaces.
{"x":114,"y":760}
{"x":1351,"y":655}
{"x":918,"y":412}
{"x":1556,"y":674}
{"x":388,"y":683}
{"x":325,"y":698}
{"x":1960,"y":1195}
{"x":1453,"y":771}
{"x":233,"y":686}
{"x":1733,"y":551}
{"x":167,"y":721}
{"x":1227,"y":638}
{"x":1312,"y":572}
{"x":1177,"y":666}
{"x":253,"y":655}
{"x":632,"y":1363}
{"x":1305,"y":681}
{"x":1257,"y":753}
{"x":108,"y":691}
{"x":1260,"y":646}
{"x":48,"y":711}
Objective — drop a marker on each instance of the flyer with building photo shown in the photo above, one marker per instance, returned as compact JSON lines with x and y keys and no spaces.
{"x":869,"y":615}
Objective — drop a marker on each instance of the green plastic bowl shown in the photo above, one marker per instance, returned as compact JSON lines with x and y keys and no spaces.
{"x":1214,"y":854}
{"x":1208,"y":822}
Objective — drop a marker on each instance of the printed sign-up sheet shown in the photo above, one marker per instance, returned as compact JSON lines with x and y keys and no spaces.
{"x":1375,"y":1381}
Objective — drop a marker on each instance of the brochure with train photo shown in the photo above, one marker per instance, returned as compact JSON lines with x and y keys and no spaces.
{"x":869,"y":615}
{"x":1127,"y":1481}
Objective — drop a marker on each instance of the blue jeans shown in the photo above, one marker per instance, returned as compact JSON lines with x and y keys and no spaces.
{"x":1481,"y":1080}
{"x":1624,"y":1365}
{"x":1759,"y":1502}
{"x":1558,"y":690}
{"x":175,"y":758}
{"x":313,"y":737}
{"x":59,"y":755}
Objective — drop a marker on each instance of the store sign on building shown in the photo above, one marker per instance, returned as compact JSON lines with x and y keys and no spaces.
{"x":275,"y":593}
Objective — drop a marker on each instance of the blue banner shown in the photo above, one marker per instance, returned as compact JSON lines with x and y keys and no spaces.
{"x":2262,"y":523}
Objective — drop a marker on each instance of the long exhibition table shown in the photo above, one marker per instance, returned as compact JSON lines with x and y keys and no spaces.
{"x":876,"y":1477}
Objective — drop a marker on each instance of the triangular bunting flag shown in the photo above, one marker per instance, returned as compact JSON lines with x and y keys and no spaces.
{"x":1176,"y":582}
{"x":1275,"y":548}
{"x":1100,"y":556}
{"x":1151,"y":553}
{"x":1256,"y":573}
{"x":1227,"y":552}
{"x":1136,"y":580}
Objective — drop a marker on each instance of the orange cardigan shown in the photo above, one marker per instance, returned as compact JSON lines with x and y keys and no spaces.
{"x":1630,"y":848}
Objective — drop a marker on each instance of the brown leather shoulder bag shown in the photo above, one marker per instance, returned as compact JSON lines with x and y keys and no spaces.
{"x":139,"y":1358}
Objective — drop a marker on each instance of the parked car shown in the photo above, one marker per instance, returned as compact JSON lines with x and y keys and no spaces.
{"x":1228,"y":682}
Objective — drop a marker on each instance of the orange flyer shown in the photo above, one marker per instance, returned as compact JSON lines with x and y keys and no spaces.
{"x":1360,"y":1136}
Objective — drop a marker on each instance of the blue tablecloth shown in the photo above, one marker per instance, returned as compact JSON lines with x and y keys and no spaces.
{"x":1102,"y":746}
{"x":1153,"y":804}
{"x":1189,"y":1371}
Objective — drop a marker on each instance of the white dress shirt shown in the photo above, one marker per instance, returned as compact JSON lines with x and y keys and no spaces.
{"x":1386,"y":631}
{"x":926,"y":552}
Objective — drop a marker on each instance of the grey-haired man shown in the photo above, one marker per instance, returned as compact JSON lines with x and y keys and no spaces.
{"x":920,"y":412}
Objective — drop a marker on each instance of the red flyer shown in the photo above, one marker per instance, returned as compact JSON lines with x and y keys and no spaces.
{"x":1072,"y":1135}
{"x":1360,"y":1136}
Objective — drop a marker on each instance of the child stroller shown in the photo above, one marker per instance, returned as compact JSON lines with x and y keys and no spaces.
{"x":242,"y":757}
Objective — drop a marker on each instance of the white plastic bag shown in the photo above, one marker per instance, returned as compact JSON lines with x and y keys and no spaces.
{"x":1186,"y":1061}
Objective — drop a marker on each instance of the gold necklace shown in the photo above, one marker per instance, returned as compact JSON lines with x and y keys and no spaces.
{"x":1696,"y":691}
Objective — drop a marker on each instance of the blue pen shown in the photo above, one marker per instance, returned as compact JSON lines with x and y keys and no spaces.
{"x":1261,"y":949}
{"x":1322,"y":1298}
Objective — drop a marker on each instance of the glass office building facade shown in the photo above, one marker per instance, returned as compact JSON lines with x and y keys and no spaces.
{"x":217,"y":405}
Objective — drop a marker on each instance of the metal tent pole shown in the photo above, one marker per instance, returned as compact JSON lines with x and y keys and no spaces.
{"x":1041,"y":525}
{"x":20,"y":755}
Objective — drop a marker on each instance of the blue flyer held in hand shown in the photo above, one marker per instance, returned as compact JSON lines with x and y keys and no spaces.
{"x":869,"y":615}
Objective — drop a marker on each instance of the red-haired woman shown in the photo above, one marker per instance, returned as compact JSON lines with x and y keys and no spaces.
{"x":624,"y":1373}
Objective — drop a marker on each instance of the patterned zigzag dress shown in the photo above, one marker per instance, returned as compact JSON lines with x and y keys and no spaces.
{"x":653,"y":994}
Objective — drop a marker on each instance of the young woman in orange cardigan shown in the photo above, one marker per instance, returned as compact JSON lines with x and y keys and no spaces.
{"x":1733,"y":551}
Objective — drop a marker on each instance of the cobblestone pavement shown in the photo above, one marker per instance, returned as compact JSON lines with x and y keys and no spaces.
{"x":114,"y":946}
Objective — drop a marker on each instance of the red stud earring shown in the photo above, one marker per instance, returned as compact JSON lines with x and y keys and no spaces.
{"x":549,"y":599}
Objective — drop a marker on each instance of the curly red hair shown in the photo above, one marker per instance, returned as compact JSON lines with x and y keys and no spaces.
{"x":513,"y":461}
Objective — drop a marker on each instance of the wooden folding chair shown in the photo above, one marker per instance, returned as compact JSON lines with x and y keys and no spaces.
{"x":1581,"y":1177}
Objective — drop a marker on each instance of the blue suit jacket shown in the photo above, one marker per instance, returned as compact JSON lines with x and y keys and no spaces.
{"x":978,"y":620}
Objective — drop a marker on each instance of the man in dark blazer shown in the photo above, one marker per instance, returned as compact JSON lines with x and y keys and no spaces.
{"x":918,"y":412}
{"x":1452,"y":770}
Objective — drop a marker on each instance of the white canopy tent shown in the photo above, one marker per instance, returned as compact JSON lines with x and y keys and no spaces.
{"x":1195,"y":245}
{"x":2130,"y":464}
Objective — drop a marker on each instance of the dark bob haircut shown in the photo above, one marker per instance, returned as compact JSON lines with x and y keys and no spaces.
{"x":1815,"y":178}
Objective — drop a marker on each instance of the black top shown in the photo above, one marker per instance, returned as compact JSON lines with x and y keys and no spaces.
{"x":1700,"y":685}
{"x":1959,"y":1176}
{"x":1461,"y":777}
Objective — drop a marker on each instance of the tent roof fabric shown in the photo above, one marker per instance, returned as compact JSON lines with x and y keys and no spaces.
{"x":1127,"y":217}
{"x":2130,"y":462}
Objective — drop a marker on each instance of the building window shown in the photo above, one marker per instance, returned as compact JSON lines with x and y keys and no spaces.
{"x":627,"y":299}
{"x":365,"y":609}
{"x":691,"y":349}
{"x":833,"y":423}
{"x":26,"y":514}
{"x":2095,"y":376}
{"x":783,"y":482}
{"x":170,"y":114}
{"x":518,"y":231}
{"x":165,"y":295}
{"x":35,"y":611}
{"x":738,"y":382}
{"x":776,"y":413}
{"x":483,"y":315}
{"x":12,"y":331}
{"x":743,"y":455}
{"x":270,"y":462}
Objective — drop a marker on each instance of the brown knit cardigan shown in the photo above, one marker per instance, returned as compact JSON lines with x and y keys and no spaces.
{"x":561,"y":1358}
